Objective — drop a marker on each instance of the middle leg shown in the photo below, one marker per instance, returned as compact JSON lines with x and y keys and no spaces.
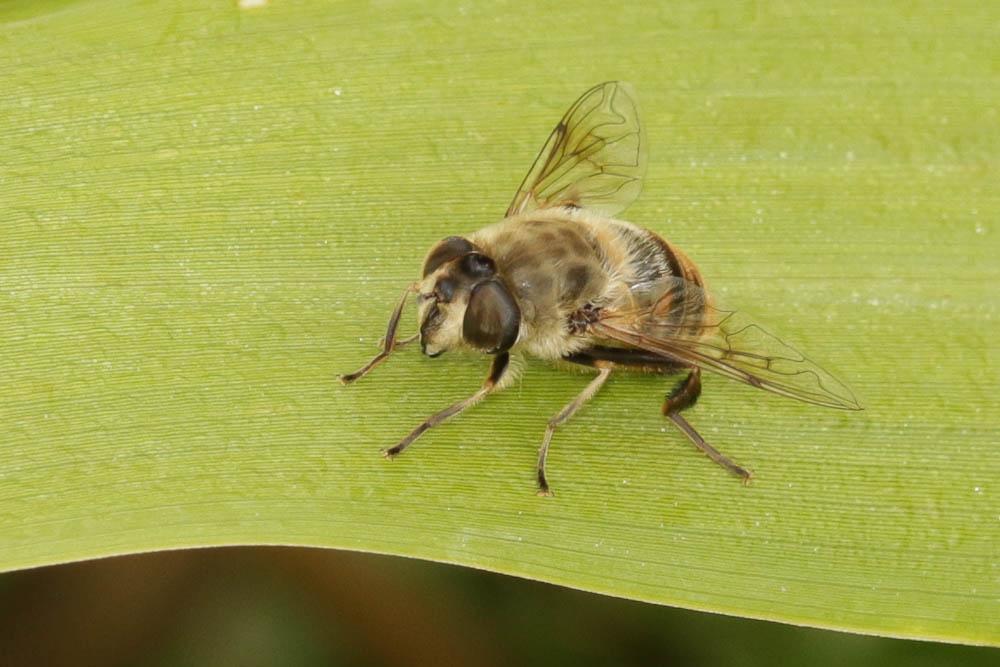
{"x":564,"y":414}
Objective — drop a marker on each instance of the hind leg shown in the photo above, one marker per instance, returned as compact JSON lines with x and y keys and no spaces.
{"x":684,"y":396}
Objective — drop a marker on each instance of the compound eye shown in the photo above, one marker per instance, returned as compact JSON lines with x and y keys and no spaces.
{"x":450,"y":248}
{"x":492,"y":319}
{"x":444,"y":291}
{"x":477,"y":266}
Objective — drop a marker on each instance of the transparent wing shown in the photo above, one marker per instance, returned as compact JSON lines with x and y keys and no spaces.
{"x":676,"y":319}
{"x":595,"y":157}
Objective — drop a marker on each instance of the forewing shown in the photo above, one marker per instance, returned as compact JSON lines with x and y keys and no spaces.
{"x":595,"y":157}
{"x":682,"y":324}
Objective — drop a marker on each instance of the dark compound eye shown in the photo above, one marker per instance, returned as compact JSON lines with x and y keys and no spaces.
{"x":445,"y":290}
{"x":477,"y":265}
{"x":493,"y":318}
{"x":445,"y":251}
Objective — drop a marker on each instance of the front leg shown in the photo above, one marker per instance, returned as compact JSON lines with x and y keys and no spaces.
{"x":389,"y":343}
{"x":497,"y":371}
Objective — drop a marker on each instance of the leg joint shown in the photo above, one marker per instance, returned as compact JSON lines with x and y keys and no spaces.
{"x":685,"y":394}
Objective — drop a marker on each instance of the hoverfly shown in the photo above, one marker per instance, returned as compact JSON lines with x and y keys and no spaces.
{"x":559,"y":278}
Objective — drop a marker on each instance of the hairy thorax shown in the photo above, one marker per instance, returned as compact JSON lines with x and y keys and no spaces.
{"x":557,"y":261}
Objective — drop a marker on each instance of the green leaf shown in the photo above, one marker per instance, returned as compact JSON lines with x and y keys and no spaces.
{"x":209,"y":211}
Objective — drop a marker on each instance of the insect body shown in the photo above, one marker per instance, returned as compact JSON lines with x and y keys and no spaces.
{"x":559,"y":278}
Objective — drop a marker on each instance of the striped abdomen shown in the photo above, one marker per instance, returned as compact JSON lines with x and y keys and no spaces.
{"x":677,"y":298}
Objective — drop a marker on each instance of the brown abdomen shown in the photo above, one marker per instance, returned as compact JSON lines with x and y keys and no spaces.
{"x":684,"y":300}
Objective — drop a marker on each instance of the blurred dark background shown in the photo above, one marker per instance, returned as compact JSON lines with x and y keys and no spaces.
{"x":290,"y":606}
